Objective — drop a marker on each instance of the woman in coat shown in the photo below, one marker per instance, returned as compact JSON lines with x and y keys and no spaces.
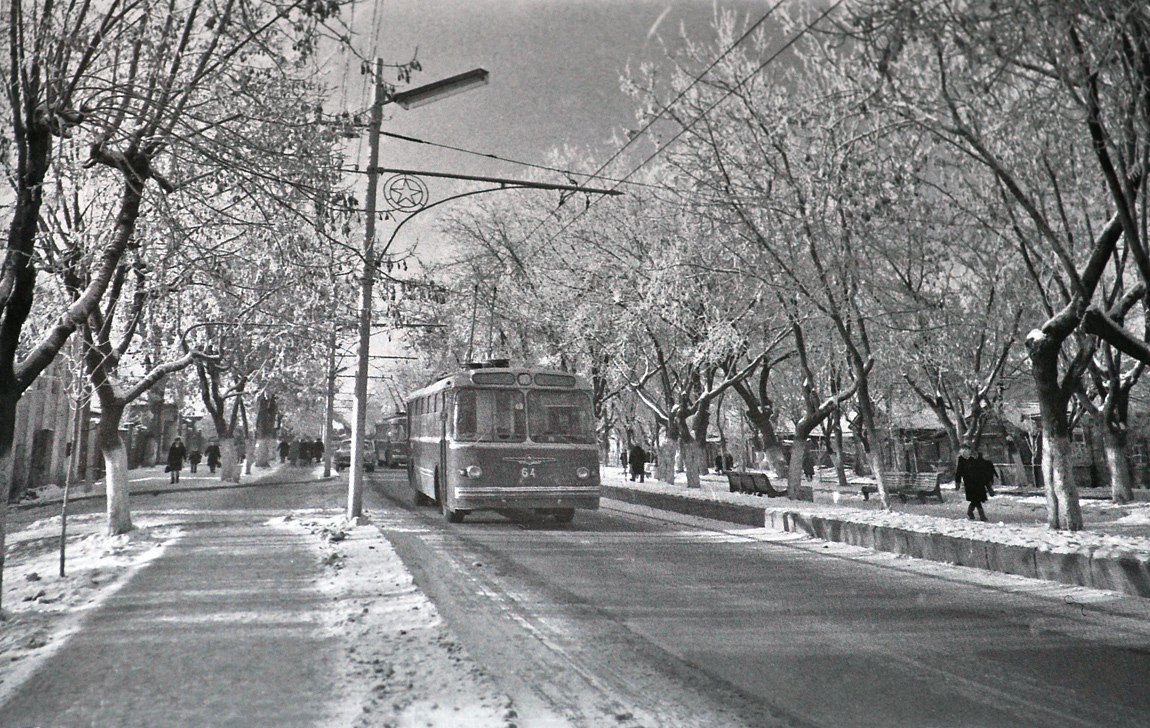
{"x":176,"y":454}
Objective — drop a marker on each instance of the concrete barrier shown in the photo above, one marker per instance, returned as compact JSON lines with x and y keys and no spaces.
{"x":748,"y":515}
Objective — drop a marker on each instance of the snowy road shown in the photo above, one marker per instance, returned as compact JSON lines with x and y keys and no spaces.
{"x":628,"y":619}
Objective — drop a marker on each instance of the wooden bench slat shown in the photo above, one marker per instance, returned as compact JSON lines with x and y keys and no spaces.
{"x":753,"y":483}
{"x":902,"y":485}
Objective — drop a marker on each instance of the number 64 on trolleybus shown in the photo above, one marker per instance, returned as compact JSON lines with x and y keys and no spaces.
{"x":495,"y":437}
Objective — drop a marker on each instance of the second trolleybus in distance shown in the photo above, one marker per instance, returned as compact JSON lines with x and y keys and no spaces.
{"x":494,"y":437}
{"x":391,"y":440}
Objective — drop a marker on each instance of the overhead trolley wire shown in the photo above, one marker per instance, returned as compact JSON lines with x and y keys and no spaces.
{"x":690,"y":125}
{"x":570,"y":173}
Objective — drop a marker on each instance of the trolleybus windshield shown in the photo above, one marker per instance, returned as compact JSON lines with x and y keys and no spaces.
{"x":560,"y":417}
{"x":490,"y":415}
{"x":501,"y":415}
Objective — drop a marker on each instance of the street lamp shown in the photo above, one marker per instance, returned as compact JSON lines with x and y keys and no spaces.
{"x":439,"y":90}
{"x":409,"y":99}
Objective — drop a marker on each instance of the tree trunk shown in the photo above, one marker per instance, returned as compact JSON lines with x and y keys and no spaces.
{"x":264,"y":450}
{"x":115,"y":470}
{"x":6,"y":466}
{"x":1117,"y":462}
{"x":694,"y":446}
{"x":795,"y":467}
{"x":1062,"y":507}
{"x":667,"y":447}
{"x":1058,"y":473}
{"x":229,"y":465}
{"x":1095,"y":425}
{"x":773,"y":448}
{"x":868,"y":426}
{"x":694,"y":457}
{"x":249,"y":452}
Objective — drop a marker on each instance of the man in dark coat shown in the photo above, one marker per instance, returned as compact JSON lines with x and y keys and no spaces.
{"x":213,"y":456}
{"x":975,"y":474}
{"x":637,"y":459}
{"x":176,"y":454}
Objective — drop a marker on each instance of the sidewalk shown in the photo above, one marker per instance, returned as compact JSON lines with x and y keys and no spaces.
{"x":1112,"y":552}
{"x":249,"y":605}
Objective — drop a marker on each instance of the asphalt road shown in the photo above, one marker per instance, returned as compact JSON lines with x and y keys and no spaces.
{"x":629,"y":618}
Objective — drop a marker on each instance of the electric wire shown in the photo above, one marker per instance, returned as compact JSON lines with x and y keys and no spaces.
{"x":690,"y":125}
{"x":569,"y":173}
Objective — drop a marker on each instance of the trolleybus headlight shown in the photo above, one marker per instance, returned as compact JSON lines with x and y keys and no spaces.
{"x":472,"y":471}
{"x":582,"y":473}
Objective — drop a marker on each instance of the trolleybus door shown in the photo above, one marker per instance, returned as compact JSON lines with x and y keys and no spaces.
{"x":447,"y":405}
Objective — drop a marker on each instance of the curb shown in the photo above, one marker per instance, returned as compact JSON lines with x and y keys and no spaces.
{"x":260,"y":480}
{"x":1099,"y":570}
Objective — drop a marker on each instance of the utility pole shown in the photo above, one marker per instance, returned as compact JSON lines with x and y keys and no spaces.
{"x":329,"y":404}
{"x":366,"y":284}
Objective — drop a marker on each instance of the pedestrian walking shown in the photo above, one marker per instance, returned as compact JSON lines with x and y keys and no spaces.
{"x":212,"y":453}
{"x":975,"y":474}
{"x":194,"y":458}
{"x":176,"y":454}
{"x":317,"y":450}
{"x":623,"y":460}
{"x":283,"y":450}
{"x":638,"y":461}
{"x":718,"y":463}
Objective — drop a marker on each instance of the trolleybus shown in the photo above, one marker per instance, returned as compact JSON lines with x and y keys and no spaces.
{"x":391,"y":440}
{"x":500,"y":437}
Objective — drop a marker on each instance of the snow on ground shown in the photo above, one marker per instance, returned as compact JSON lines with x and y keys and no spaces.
{"x":401,"y":665}
{"x":41,"y":609}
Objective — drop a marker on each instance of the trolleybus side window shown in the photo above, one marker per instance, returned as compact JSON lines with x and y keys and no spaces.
{"x":560,"y":417}
{"x":490,"y":415}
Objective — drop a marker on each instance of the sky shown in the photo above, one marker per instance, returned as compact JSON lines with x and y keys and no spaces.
{"x":555,"y":67}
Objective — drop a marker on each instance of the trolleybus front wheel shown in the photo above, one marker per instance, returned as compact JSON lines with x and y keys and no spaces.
{"x":441,"y":496}
{"x":563,"y":515}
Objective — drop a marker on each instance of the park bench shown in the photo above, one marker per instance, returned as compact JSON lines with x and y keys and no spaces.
{"x":827,"y":476}
{"x":905,"y":485}
{"x":753,"y":483}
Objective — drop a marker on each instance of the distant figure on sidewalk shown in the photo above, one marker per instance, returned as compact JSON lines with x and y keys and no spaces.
{"x":317,"y":450}
{"x":623,"y":460}
{"x":283,"y":450}
{"x":213,"y":456}
{"x":176,"y":454}
{"x":718,"y":463}
{"x":976,"y":475}
{"x":193,"y":460}
{"x":638,"y":461}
